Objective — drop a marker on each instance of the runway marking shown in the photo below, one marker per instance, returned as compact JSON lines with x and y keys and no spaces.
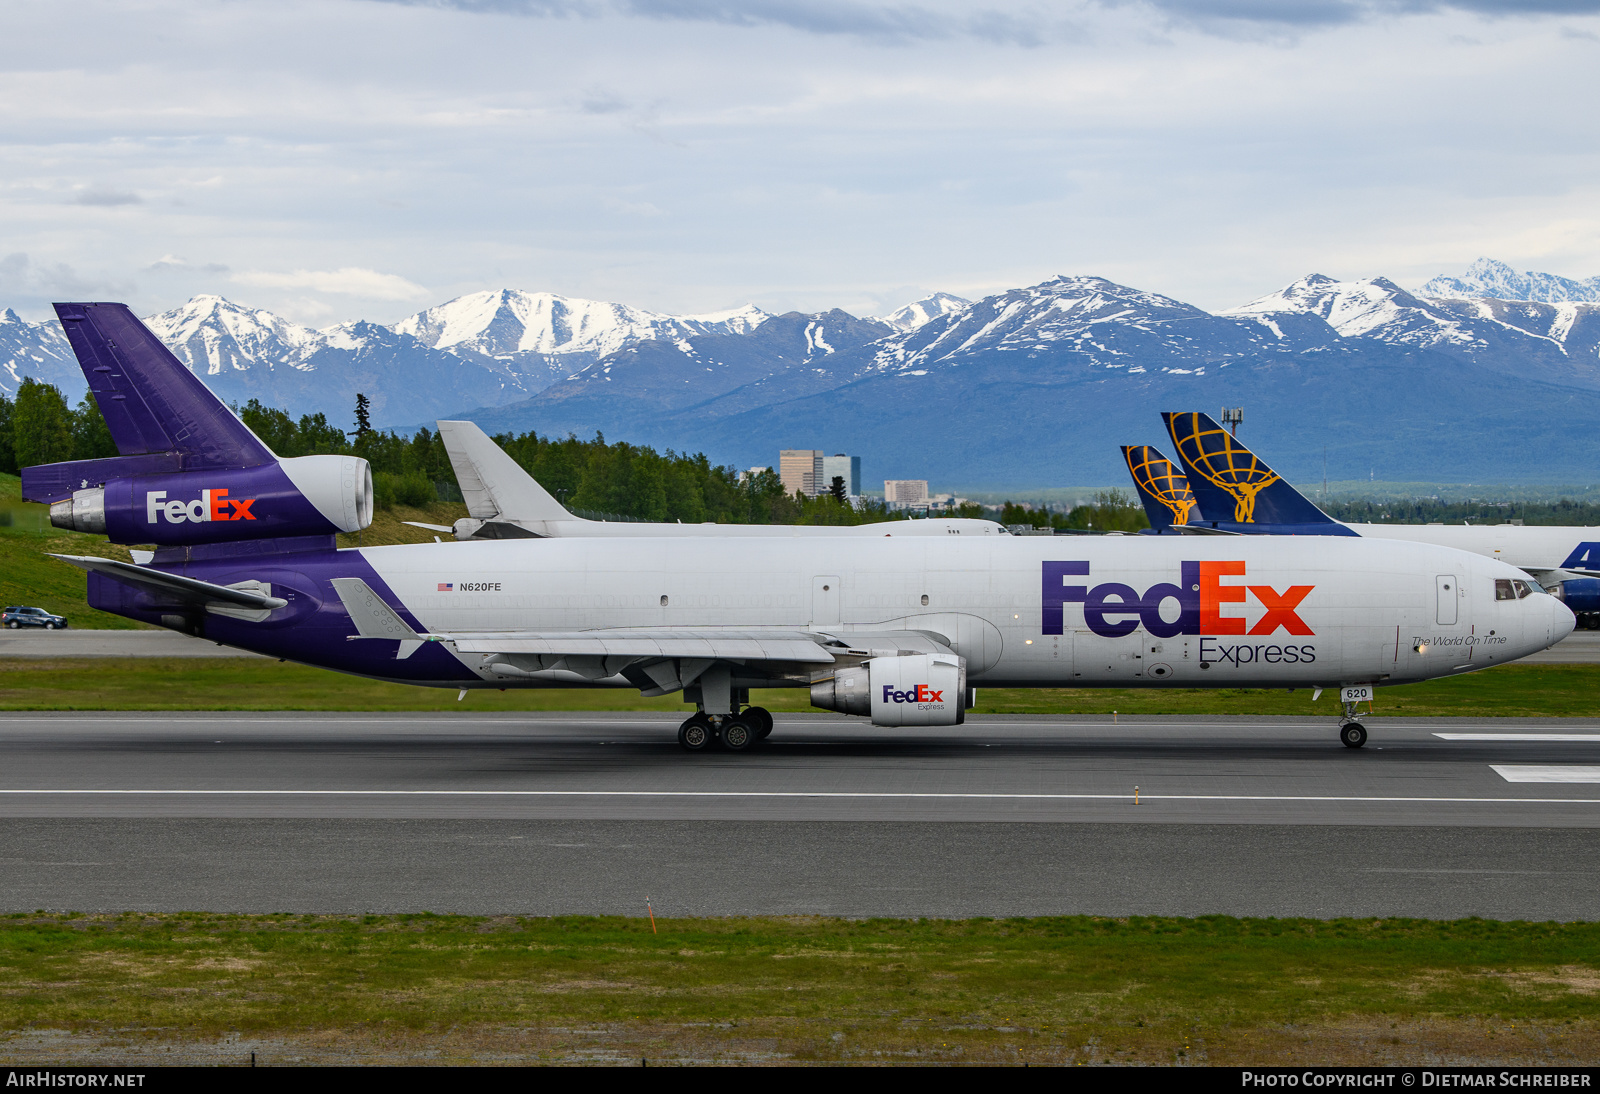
{"x":1518,"y":736}
{"x":1547,"y":773}
{"x":856,"y":794}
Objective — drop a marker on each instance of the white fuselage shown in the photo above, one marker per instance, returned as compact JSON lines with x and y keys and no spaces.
{"x":1533,"y":549}
{"x":1370,"y":604}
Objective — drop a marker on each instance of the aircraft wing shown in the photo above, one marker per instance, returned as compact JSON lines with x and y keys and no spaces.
{"x":712,"y":644}
{"x":246,"y":599}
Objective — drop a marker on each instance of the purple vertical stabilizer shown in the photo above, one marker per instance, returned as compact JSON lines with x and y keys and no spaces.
{"x":150,"y":401}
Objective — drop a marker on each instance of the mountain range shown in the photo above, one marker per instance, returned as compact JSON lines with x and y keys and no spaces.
{"x":1491,"y":377}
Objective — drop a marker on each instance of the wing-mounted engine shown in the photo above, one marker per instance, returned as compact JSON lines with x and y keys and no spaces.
{"x":301,"y":496}
{"x":901,"y":689}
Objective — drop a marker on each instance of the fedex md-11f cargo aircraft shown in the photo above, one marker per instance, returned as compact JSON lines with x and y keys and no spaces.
{"x":899,"y":630}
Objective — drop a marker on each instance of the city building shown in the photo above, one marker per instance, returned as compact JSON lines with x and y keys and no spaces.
{"x":843,"y":467}
{"x":905,"y":493}
{"x":800,"y":470}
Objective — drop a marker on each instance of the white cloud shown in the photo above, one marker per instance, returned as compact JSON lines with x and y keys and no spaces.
{"x":349,"y":281}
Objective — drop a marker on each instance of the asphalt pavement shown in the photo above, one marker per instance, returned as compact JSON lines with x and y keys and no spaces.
{"x":545,"y":814}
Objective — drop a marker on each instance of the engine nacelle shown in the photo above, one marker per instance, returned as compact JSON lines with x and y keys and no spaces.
{"x":301,"y":496}
{"x":1581,"y":594}
{"x":912,"y":689}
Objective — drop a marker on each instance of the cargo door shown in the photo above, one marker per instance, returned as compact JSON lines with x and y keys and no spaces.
{"x":1448,"y":595}
{"x":1095,"y":657}
{"x":825,"y":601}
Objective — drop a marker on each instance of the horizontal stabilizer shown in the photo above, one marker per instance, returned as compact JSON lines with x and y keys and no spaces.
{"x":374,"y":618}
{"x":429,"y":527}
{"x":251,"y":600}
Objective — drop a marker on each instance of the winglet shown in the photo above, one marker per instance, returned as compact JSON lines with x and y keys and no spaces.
{"x":494,"y":485}
{"x":1162,"y":487}
{"x":1232,"y":483}
{"x":374,"y":618}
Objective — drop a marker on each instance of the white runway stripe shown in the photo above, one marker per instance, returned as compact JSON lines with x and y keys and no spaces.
{"x":859,"y":794}
{"x":1547,"y":773}
{"x":1518,"y":736}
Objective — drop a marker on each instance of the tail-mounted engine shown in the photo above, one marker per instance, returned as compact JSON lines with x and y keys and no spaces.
{"x":916,"y":689}
{"x":301,"y":496}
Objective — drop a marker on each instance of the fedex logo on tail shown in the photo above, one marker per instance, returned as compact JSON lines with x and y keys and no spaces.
{"x":922,"y":693}
{"x":1113,"y":609}
{"x":211,"y":505}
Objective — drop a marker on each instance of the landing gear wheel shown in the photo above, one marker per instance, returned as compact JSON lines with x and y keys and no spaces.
{"x":1353,"y":734}
{"x":737,"y":736}
{"x":695,"y":733}
{"x":758,"y":719}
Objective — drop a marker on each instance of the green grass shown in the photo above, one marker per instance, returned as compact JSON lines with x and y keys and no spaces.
{"x":1214,"y":989}
{"x":1512,"y":691}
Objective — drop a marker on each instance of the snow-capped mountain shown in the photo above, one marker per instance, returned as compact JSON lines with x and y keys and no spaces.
{"x":1487,"y":277}
{"x":542,"y":337}
{"x":1034,"y":385}
{"x":929,"y":308}
{"x":37,"y":350}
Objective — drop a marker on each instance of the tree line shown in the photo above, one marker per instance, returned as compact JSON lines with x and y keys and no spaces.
{"x":38,"y":426}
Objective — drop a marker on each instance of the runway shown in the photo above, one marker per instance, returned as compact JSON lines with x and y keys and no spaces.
{"x":549,"y":814}
{"x":1578,"y":648}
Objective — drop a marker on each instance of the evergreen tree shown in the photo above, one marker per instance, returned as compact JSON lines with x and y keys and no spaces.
{"x":41,"y":425}
{"x":363,"y":415}
{"x":837,"y":489}
{"x":91,"y":438}
{"x":8,"y":440}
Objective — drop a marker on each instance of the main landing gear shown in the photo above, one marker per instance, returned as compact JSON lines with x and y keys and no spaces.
{"x":1352,"y":734}
{"x":730,"y":732}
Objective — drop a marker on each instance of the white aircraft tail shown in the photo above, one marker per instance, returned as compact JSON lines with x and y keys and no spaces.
{"x":492,"y":483}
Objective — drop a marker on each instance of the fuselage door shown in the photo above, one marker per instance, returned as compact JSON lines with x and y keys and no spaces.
{"x":825,"y":601}
{"x":1448,"y":596}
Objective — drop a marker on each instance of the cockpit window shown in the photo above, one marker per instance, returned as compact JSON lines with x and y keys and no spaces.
{"x":1526,"y":588}
{"x":1503,"y":589}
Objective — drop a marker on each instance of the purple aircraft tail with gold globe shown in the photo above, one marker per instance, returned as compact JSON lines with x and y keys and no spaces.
{"x":1235,"y":489}
{"x":1163,"y":490}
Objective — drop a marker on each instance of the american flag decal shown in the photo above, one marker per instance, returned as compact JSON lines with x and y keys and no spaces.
{"x":446,"y":586}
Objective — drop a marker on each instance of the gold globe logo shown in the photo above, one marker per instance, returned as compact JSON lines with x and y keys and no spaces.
{"x":1209,"y":449}
{"x":1154,"y":474}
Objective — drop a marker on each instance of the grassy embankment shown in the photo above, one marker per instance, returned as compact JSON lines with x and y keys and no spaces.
{"x":1515,"y":691}
{"x":1071,"y":990}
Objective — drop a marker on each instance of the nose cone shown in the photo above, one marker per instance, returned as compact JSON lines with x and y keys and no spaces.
{"x":1562,"y":621}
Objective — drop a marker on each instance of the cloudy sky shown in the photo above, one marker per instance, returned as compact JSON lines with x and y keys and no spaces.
{"x":345,"y":159}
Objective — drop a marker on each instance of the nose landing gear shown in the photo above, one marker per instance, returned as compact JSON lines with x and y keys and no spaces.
{"x":1352,"y":734}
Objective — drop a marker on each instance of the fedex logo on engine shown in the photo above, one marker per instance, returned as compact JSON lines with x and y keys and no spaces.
{"x":211,"y":505}
{"x":1113,"y":609}
{"x":922,"y":693}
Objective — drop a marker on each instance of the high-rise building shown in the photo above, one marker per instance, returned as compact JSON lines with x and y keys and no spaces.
{"x":800,"y":470}
{"x":905,"y":492}
{"x":843,"y":467}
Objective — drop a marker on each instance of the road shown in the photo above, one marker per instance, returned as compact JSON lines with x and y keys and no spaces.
{"x":543,"y":814}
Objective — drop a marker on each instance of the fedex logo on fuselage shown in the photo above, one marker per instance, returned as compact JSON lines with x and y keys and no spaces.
{"x":211,"y":505}
{"x":1113,"y":609}
{"x":922,"y":693}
